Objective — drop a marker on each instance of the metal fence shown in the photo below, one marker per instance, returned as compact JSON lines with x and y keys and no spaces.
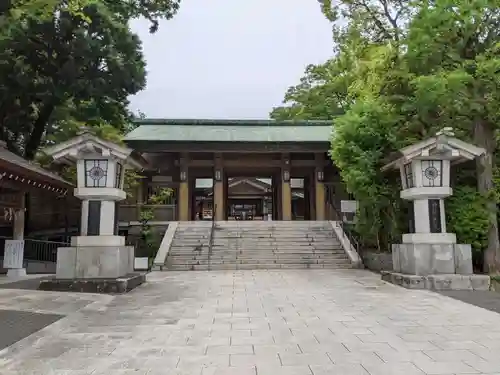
{"x":37,"y":250}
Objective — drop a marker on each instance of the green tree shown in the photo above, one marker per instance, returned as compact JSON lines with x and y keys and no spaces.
{"x":412,"y":69}
{"x":454,"y":50}
{"x":63,"y":63}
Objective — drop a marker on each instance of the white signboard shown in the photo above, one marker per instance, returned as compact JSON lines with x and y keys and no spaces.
{"x":348,"y":206}
{"x":141,"y":263}
{"x":14,"y":254}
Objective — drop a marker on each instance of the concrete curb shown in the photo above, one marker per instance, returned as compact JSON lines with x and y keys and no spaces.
{"x":351,"y":252}
{"x":166,"y":243}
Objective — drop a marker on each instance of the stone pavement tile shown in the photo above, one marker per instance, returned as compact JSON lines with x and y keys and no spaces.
{"x":168,"y":371}
{"x":355,"y":357}
{"x":451,"y":367}
{"x":389,"y":338}
{"x":488,"y":343}
{"x":394,"y":368}
{"x":229,"y":371}
{"x":285,"y":370}
{"x":390,"y":356}
{"x":367,"y":346}
{"x":233,"y":349}
{"x":232,"y":333}
{"x":33,"y":365}
{"x":340,"y":369}
{"x":243,"y":333}
{"x":418,"y":346}
{"x":134,"y":363}
{"x":257,"y":325}
{"x":205,"y":341}
{"x":283,"y":340}
{"x":486,"y":354}
{"x":277,"y":349}
{"x":315,"y":347}
{"x":415,"y":337}
{"x":113,"y":372}
{"x":462,"y":344}
{"x":188,"y":362}
{"x":339,"y":337}
{"x":451,"y":355}
{"x":241,"y":360}
{"x":153,"y":351}
{"x":485,"y":366}
{"x":253,"y":340}
{"x":289,"y":359}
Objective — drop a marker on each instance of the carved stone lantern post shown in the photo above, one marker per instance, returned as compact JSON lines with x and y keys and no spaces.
{"x":98,"y":253}
{"x":429,"y":256}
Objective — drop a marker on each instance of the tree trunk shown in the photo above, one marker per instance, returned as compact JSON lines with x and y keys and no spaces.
{"x":39,"y":127}
{"x":484,"y":136}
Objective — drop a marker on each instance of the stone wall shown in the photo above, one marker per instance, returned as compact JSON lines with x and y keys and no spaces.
{"x":375,"y":261}
{"x":33,"y":267}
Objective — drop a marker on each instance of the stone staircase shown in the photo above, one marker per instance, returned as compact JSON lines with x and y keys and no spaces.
{"x":190,"y":245}
{"x":256,"y":245}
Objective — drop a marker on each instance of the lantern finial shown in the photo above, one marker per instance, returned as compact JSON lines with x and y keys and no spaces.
{"x":448,"y":131}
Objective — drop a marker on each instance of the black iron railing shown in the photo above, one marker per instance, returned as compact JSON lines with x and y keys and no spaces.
{"x":346,"y":228}
{"x":37,"y":250}
{"x":211,"y":240}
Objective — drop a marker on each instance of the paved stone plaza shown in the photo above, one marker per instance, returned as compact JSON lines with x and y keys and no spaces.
{"x":255,"y":322}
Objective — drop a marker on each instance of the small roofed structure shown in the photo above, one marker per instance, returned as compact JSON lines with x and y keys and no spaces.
{"x":429,"y":256}
{"x":69,"y":152}
{"x":15,"y":169}
{"x":19,"y":176}
{"x":443,"y":144}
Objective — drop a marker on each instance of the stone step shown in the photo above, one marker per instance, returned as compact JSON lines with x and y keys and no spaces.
{"x":265,"y":249}
{"x":233,"y":267}
{"x":180,"y":260}
{"x":261,"y":245}
{"x":268,"y":255}
{"x":217,"y":241}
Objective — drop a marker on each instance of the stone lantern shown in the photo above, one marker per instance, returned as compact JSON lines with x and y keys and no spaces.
{"x":98,"y":252}
{"x":429,"y":257}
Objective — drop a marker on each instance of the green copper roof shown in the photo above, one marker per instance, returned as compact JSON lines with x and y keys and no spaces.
{"x":230,"y":131}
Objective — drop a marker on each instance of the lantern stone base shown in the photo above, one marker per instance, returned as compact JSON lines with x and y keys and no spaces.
{"x":423,"y":259}
{"x":109,"y":286}
{"x":438,"y":282}
{"x":94,"y":262}
{"x":16,"y":272}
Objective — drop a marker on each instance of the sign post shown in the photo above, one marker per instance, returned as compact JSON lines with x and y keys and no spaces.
{"x":13,"y":258}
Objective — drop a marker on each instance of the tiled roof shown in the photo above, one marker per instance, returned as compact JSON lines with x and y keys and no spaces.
{"x":230,"y":131}
{"x":22,"y":163}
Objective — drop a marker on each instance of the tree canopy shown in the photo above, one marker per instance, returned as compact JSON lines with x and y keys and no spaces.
{"x":401,"y":71}
{"x":65,"y":63}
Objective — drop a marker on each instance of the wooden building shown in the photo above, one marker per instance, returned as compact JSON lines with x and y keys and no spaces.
{"x":233,"y":169}
{"x":182,"y":152}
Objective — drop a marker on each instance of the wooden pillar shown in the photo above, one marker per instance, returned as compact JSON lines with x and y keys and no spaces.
{"x":140,"y":197}
{"x":319,"y":187}
{"x":286,"y":191}
{"x":219,"y":185}
{"x":226,"y":195}
{"x":183,"y":199}
{"x":19,"y":222}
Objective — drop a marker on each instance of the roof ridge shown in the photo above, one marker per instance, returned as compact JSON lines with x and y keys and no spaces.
{"x":233,"y":122}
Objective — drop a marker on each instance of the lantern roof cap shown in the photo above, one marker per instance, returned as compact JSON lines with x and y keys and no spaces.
{"x":85,"y":142}
{"x":443,"y":146}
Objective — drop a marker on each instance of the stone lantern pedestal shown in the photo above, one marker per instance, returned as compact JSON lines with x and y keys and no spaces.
{"x":98,"y":260}
{"x":429,"y":257}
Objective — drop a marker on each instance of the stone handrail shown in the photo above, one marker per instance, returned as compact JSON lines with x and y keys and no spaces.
{"x":166,"y":243}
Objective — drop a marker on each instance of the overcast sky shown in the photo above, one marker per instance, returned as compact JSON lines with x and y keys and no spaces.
{"x":229,"y":58}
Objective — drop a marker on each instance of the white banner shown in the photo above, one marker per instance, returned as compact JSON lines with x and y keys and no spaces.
{"x":348,"y":206}
{"x":14,"y":254}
